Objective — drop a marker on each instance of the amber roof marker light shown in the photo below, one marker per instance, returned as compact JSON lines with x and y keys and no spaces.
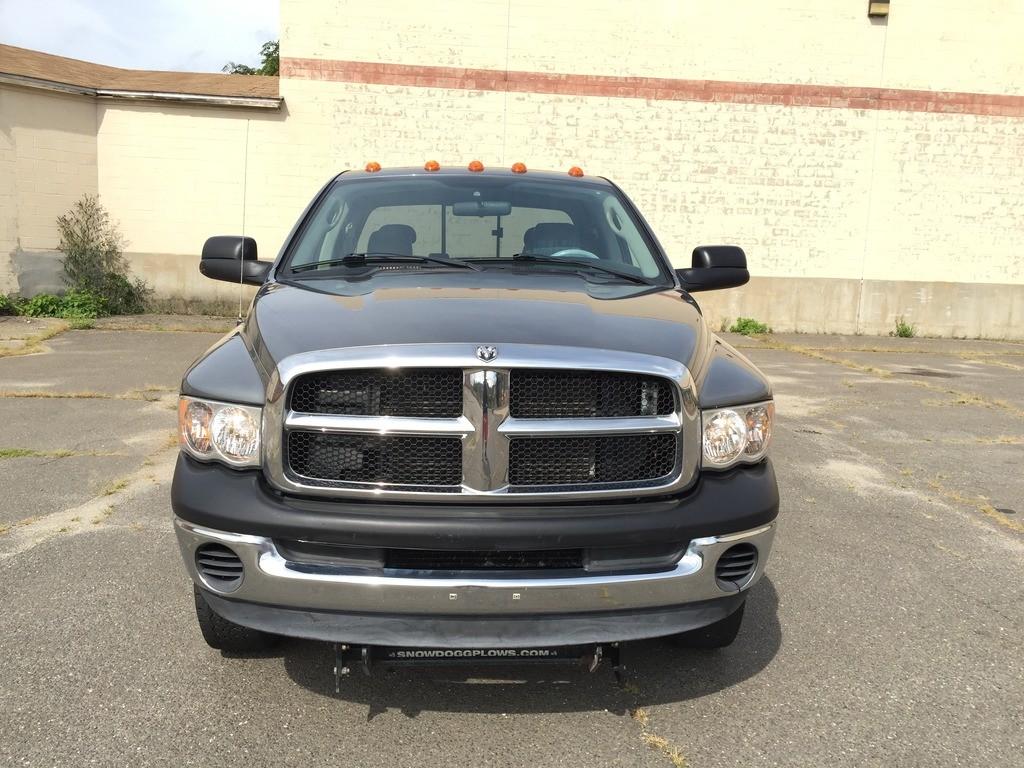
{"x":372,"y":167}
{"x":576,"y":171}
{"x":476,"y":166}
{"x":518,"y":167}
{"x":431,"y":165}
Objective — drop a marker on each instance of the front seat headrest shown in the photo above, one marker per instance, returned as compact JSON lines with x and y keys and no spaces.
{"x":546,"y":239}
{"x":392,"y":238}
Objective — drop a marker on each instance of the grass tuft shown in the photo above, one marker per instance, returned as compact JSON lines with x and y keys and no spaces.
{"x":654,"y":741}
{"x":115,"y":487}
{"x":22,"y":453}
{"x":748,"y":326}
{"x":904,"y":329}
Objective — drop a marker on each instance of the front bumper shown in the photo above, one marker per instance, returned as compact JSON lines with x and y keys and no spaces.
{"x":238,"y":510}
{"x":271,"y":580}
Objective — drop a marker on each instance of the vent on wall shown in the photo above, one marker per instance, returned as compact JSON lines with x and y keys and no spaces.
{"x":878,"y":8}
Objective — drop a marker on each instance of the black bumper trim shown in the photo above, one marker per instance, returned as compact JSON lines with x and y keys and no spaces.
{"x":228,"y":500}
{"x":475,"y":631}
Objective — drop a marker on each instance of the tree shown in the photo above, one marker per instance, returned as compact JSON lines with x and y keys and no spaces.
{"x":270,"y":59}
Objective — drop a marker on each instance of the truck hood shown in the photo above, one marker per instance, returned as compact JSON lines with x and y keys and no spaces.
{"x":491,"y":307}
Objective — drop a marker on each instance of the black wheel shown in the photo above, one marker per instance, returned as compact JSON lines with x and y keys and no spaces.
{"x":717,"y":635}
{"x":225,"y":635}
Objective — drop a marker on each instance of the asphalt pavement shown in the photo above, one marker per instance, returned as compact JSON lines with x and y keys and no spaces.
{"x":887,"y":632}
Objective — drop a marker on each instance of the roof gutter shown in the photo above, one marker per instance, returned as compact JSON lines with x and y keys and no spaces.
{"x":254,"y":102}
{"x":259,"y":102}
{"x":46,"y":85}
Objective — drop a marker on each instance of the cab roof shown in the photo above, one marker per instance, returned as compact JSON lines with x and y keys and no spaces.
{"x":465,"y":172}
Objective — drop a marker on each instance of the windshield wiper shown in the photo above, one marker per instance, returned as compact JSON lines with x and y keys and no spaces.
{"x":540,"y":258}
{"x":370,"y":257}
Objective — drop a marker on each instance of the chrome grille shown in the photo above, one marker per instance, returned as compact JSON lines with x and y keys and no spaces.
{"x":430,"y":392}
{"x":632,"y":459}
{"x":432,"y":420}
{"x":554,"y":394}
{"x":433,"y":461}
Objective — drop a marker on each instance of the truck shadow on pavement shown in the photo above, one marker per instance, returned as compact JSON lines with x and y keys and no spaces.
{"x":658,"y":672}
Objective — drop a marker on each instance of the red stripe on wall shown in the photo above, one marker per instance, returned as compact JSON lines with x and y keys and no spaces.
{"x":656,"y":88}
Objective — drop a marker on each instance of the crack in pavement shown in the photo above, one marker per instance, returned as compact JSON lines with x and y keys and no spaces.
{"x":149,"y":394}
{"x":641,"y":717}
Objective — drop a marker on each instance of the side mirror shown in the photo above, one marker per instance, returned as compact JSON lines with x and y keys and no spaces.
{"x":715,"y":267}
{"x":233,"y":259}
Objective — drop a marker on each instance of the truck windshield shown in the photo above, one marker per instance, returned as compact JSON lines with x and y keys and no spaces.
{"x":486,"y":222}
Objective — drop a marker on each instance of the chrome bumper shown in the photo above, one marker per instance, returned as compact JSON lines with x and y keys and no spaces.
{"x":272,"y":580}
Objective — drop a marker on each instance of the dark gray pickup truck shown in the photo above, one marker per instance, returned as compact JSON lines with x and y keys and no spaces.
{"x":474,"y":411}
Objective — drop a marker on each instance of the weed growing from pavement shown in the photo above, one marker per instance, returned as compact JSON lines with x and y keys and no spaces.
{"x":748,"y":326}
{"x":653,"y":740}
{"x":903,"y":329}
{"x":26,"y":453}
{"x":113,"y":488}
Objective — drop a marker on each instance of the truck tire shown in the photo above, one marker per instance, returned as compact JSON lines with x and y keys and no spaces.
{"x":225,"y":635}
{"x":717,"y":635}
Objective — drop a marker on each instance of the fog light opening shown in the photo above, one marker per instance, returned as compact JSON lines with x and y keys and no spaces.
{"x":219,"y":567}
{"x":735,"y":566}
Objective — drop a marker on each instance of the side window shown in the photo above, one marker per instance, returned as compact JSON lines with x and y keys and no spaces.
{"x":425,"y":221}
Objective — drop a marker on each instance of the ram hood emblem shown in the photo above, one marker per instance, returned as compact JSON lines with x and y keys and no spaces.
{"x":486,"y":352}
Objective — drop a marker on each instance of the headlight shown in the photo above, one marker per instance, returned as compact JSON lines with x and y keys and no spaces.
{"x":740,"y":433}
{"x":225,"y":432}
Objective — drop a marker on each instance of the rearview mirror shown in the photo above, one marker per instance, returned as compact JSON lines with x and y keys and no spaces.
{"x":714,"y":267}
{"x":482,"y":208}
{"x":233,"y":258}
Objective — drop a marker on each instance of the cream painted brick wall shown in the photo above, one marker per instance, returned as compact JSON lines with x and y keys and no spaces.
{"x":789,"y":185}
{"x":172,"y":176}
{"x":804,"y":190}
{"x":793,"y":186}
{"x":8,"y":194}
{"x":947,"y":199}
{"x":47,"y":162}
{"x":457,"y":33}
{"x":925,"y":44}
{"x":953,"y":45}
{"x":809,"y":192}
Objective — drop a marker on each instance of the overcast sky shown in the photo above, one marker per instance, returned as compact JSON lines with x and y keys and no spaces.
{"x":188,"y":35}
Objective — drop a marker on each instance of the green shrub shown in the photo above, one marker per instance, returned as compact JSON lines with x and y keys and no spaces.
{"x":73,"y":304}
{"x":94,"y":262}
{"x":748,"y":326}
{"x":83,"y":304}
{"x":43,"y":305}
{"x":904,"y":329}
{"x":7,"y":305}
